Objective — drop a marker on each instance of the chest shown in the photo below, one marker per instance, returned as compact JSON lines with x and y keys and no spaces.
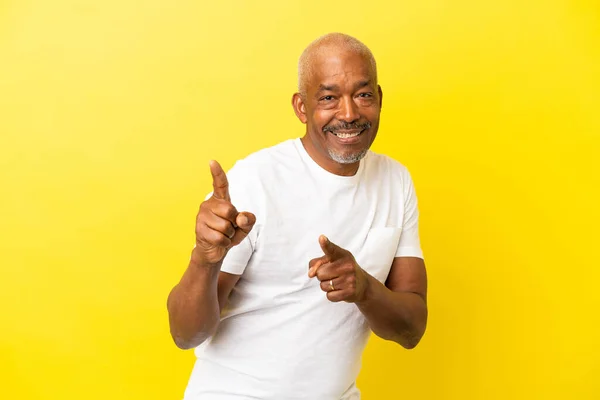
{"x":364,"y":219}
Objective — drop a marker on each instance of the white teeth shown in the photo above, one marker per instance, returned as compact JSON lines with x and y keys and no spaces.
{"x":347,"y":135}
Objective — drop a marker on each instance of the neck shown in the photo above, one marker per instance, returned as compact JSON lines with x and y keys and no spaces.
{"x":324,"y":160}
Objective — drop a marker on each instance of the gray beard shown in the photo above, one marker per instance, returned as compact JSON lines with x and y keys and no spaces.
{"x":347,"y":159}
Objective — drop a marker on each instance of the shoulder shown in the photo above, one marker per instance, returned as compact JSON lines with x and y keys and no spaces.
{"x":384,"y":166}
{"x":267,"y":157}
{"x":264,"y":169}
{"x":263,"y":161}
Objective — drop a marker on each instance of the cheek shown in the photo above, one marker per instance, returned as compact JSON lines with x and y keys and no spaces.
{"x":320,"y":119}
{"x":373,"y":117}
{"x":372,"y":111}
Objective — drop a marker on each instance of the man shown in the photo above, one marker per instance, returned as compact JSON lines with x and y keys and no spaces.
{"x":304,"y":248}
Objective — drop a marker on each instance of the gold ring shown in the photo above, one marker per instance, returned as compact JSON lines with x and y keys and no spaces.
{"x":331,"y":285}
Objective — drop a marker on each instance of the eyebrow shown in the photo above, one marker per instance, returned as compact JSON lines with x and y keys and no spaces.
{"x":363,"y":84}
{"x":327,"y":88}
{"x":333,"y":88}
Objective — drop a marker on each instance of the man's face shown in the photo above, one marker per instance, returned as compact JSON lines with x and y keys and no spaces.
{"x":341,"y":107}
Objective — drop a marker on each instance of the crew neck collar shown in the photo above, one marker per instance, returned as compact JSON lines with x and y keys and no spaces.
{"x":312,"y":164}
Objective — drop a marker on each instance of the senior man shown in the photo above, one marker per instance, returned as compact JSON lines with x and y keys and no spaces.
{"x":304,"y":248}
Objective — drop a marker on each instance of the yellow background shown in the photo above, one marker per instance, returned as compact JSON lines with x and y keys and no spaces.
{"x":111,"y":110}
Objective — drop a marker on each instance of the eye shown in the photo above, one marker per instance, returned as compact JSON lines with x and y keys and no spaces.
{"x":326,"y":98}
{"x":366,"y":94}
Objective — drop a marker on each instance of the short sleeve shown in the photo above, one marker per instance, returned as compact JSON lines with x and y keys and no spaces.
{"x":410,"y":244}
{"x":239,"y":190}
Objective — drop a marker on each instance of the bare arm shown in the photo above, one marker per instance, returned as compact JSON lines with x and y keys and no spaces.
{"x":395,"y":311}
{"x":195,"y":303}
{"x":398,"y":310}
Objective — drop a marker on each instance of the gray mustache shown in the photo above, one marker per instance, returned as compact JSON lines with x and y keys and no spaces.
{"x":346,"y":127}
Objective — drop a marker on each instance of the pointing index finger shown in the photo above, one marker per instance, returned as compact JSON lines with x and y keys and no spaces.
{"x":220,"y":183}
{"x":329,"y":248}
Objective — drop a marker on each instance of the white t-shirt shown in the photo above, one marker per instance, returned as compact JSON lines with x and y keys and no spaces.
{"x":279,"y":337}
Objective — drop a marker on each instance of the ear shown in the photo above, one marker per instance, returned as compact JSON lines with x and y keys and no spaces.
{"x":299,"y":107}
{"x":380,"y":95}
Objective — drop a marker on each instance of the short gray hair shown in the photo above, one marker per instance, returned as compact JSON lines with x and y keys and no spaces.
{"x":335,"y":40}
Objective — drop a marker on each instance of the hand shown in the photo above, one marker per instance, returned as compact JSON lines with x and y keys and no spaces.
{"x":219,"y":226}
{"x":340,"y":276}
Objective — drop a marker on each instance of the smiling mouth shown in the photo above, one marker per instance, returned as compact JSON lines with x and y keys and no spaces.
{"x":347,"y":135}
{"x":345,"y":130}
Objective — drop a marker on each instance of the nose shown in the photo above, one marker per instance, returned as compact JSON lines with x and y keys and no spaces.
{"x":348,"y":111}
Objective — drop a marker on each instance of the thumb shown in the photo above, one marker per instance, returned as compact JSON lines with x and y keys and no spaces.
{"x":244,"y":221}
{"x":329,"y":248}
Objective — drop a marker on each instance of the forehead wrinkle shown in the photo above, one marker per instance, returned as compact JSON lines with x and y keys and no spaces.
{"x":325,"y":87}
{"x":358,"y":75}
{"x":328,"y":45}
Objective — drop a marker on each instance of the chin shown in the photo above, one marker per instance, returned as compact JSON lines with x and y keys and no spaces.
{"x":347,"y":158}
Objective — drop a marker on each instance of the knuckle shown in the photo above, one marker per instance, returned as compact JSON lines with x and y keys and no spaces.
{"x":211,"y":206}
{"x":231,"y":212}
{"x":200,"y":221}
{"x":213,"y":237}
{"x":209,"y":203}
{"x":227,"y":206}
{"x":222,"y":241}
{"x":225,"y":227}
{"x":200,"y":227}
{"x":226,"y":210}
{"x":202,"y":211}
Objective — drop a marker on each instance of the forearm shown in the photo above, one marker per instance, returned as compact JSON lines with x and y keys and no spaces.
{"x":397,"y":316}
{"x":193,"y":305}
